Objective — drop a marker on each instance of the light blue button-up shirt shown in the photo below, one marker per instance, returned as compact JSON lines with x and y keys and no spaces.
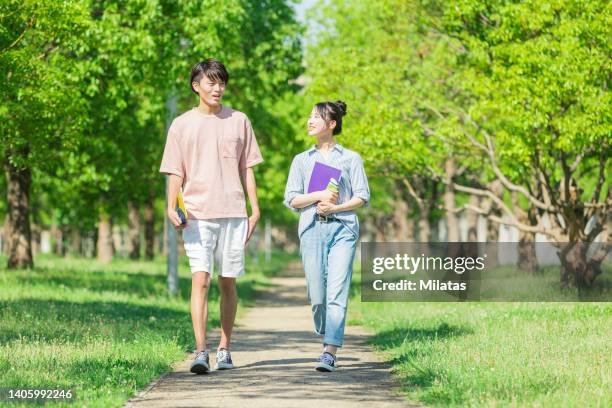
{"x":353,"y":183}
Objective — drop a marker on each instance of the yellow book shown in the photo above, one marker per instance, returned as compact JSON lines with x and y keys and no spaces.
{"x":180,"y":208}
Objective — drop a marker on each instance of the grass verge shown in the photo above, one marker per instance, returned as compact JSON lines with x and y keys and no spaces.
{"x":502,"y":354}
{"x":104,"y":330}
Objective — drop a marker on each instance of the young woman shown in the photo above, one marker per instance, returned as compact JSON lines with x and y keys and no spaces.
{"x":328,"y":227}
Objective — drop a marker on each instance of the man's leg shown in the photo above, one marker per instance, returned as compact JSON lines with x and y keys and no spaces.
{"x":229,"y":304}
{"x":200,"y":237}
{"x":200,"y":283}
{"x":230,"y":253}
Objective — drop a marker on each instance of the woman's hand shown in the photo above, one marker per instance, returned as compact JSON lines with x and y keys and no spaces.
{"x":329,"y":196}
{"x":326,"y":208}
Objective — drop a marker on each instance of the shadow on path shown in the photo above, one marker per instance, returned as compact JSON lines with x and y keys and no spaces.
{"x":275,"y":350}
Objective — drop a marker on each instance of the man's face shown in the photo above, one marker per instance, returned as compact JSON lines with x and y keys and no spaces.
{"x":210,"y":91}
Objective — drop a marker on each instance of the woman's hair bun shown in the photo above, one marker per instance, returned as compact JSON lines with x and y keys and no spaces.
{"x":342,"y":106}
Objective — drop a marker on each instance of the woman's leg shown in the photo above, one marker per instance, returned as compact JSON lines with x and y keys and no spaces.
{"x":313,"y":251}
{"x":339,"y":273}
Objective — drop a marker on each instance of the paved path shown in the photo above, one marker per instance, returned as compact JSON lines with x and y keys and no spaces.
{"x":274,"y":350}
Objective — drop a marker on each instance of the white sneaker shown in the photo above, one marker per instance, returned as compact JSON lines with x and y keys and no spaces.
{"x":224,"y":360}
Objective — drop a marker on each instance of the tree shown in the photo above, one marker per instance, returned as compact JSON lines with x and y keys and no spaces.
{"x":537,"y":73}
{"x":482,"y":97}
{"x":43,"y":107}
{"x":110,"y":68}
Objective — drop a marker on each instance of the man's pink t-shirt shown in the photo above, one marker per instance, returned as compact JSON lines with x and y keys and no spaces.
{"x":209,"y":152}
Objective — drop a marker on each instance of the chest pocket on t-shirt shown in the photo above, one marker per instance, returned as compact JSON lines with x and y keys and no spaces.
{"x":231,"y":146}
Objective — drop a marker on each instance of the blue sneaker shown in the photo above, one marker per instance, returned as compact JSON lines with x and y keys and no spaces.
{"x":327,"y":362}
{"x":224,"y":360}
{"x":200,"y":364}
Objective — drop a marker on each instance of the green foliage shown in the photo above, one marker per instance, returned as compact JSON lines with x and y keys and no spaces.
{"x":88,"y":82}
{"x":423,"y":77}
{"x":537,"y":73}
{"x":43,"y":106}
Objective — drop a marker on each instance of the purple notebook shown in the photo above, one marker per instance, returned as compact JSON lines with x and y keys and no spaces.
{"x":321,"y":174}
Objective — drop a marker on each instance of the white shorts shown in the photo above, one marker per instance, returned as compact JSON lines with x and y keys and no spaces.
{"x":216,"y":241}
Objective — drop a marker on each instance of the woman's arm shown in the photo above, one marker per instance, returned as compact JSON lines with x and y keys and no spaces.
{"x":304,"y":200}
{"x":295,"y":198}
{"x":360,"y":191}
{"x":327,"y":208}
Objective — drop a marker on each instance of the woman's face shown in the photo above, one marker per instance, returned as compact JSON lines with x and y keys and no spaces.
{"x":316,"y":124}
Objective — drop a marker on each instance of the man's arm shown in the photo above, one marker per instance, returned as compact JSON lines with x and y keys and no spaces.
{"x":248,"y":181}
{"x":174,"y":185}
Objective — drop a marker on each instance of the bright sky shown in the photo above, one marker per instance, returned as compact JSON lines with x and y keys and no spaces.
{"x":301,"y":8}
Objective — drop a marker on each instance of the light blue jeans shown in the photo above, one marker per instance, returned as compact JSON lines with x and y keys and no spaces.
{"x":327,"y":251}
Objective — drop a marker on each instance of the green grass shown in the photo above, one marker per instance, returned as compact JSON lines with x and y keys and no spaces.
{"x":104,"y":330}
{"x":495,"y":354}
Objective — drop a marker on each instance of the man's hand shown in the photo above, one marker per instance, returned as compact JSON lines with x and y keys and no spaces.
{"x":253,"y":219}
{"x":175,"y":219}
{"x":326,"y":208}
{"x":329,"y":196}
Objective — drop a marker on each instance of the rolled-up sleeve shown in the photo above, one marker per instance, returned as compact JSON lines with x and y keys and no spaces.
{"x":295,"y":183}
{"x":172,"y":160}
{"x":359,"y":181}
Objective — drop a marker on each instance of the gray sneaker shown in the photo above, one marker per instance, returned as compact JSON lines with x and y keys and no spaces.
{"x":224,"y":360}
{"x":327,"y":362}
{"x":200,"y":364}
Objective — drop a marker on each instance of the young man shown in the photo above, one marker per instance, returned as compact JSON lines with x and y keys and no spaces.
{"x":209,"y":150}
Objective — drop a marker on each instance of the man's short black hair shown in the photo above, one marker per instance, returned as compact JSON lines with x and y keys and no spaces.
{"x":212,"y":68}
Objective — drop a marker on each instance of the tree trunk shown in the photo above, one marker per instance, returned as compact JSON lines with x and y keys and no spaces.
{"x":493,"y":227}
{"x":19,"y":239}
{"x":576,"y":271}
{"x":76,"y":245}
{"x":5,"y":235}
{"x":452,"y":222}
{"x":492,"y":243}
{"x":527,"y":258}
{"x":410,"y":230}
{"x":36,"y":238}
{"x":65,"y":240}
{"x":472,"y":220}
{"x":423,"y":226}
{"x":57,"y":239}
{"x":576,"y":268}
{"x":133,"y":241}
{"x":403,"y":225}
{"x":95,"y":244}
{"x":149,"y":227}
{"x":118,"y":239}
{"x":381,"y":223}
{"x":164,"y":238}
{"x":287,"y":240}
{"x":105,"y":238}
